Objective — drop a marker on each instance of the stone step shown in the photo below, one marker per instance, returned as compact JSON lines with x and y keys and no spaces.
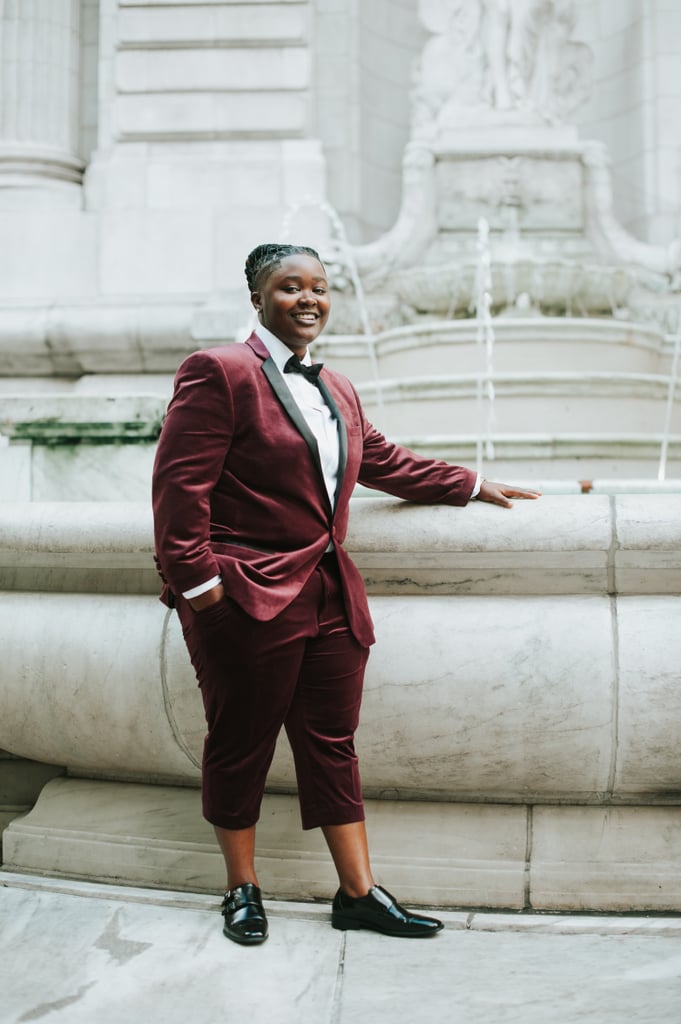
{"x":442,"y":854}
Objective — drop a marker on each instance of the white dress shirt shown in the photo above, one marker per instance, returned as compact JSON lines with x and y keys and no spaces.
{"x":308,"y":398}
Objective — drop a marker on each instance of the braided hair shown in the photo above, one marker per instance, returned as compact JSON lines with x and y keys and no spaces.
{"x":264,"y":258}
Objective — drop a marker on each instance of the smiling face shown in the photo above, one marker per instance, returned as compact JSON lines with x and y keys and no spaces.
{"x":293,"y":301}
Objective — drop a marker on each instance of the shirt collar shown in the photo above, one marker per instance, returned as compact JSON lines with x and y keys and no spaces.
{"x":280,"y":352}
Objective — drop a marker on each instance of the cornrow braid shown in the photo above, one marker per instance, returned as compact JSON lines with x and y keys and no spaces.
{"x":264,"y":258}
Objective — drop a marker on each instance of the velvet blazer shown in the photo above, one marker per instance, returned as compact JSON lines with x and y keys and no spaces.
{"x":238,"y":487}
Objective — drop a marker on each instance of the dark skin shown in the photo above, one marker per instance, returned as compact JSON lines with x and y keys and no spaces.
{"x":292,"y":301}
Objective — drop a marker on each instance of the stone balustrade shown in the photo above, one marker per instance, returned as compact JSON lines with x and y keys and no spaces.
{"x":519,"y":738}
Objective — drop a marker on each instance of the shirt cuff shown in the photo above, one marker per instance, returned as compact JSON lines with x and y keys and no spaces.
{"x":476,"y":489}
{"x":202,"y":587}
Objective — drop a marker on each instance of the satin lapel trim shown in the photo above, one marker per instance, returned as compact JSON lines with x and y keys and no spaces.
{"x":342,"y":437}
{"x":269,"y":368}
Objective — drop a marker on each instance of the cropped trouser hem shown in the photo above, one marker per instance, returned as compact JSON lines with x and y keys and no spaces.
{"x":303,"y":670}
{"x":318,"y":819}
{"x":310,"y":820}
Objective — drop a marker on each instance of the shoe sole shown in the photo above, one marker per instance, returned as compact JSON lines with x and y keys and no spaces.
{"x":342,"y":925}
{"x":245,"y":940}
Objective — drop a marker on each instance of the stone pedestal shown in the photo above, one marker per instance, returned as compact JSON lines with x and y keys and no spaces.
{"x":518,"y":738}
{"x":20,"y":784}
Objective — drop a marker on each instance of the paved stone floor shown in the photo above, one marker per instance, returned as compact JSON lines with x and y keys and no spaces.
{"x":75,"y":953}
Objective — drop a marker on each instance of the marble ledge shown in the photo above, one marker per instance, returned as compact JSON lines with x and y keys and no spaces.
{"x":61,"y":418}
{"x":143,"y":337}
{"x":623,"y":544}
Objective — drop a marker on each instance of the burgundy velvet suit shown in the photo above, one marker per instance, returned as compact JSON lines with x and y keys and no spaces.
{"x":238,"y":490}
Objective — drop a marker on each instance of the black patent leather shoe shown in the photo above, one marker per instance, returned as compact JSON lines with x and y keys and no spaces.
{"x":380,"y":912}
{"x":244,"y":915}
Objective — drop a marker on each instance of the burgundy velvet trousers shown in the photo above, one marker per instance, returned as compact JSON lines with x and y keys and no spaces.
{"x":303,"y":670}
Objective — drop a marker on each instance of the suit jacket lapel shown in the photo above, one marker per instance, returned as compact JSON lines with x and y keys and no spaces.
{"x":269,"y":368}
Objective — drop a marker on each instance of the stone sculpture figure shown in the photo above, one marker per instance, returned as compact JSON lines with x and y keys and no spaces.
{"x":498,"y":60}
{"x":491,"y":136}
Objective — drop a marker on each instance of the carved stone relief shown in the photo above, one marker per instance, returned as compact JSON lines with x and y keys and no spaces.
{"x":493,"y":91}
{"x":510,"y":192}
{"x":489,"y":61}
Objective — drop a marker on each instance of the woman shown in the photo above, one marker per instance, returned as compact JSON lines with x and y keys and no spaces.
{"x":256,"y":463}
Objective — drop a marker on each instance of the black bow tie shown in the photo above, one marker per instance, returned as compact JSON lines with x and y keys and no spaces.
{"x":311,"y":373}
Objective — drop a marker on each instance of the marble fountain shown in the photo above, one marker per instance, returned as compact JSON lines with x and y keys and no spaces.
{"x":520,"y":730}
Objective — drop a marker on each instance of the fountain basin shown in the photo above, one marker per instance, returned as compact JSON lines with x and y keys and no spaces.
{"x":527,"y":670}
{"x":573,"y":345}
{"x":596,"y":402}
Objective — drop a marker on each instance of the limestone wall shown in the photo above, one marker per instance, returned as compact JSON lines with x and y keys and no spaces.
{"x":169,"y":138}
{"x":636,"y":91}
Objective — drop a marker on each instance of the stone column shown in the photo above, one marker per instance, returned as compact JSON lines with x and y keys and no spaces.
{"x":39,"y":68}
